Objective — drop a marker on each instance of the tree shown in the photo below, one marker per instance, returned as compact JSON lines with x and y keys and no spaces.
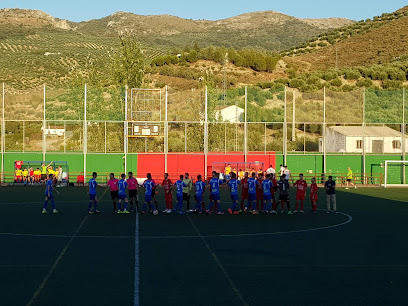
{"x":127,"y":63}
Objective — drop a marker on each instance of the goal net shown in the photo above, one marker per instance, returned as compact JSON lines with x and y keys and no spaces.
{"x":395,"y":173}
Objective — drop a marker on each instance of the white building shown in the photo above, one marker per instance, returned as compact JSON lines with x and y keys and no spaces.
{"x":230,"y":113}
{"x":350,"y":139}
{"x":56,"y":130}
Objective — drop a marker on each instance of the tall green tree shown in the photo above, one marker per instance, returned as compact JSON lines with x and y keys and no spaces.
{"x":127,"y":62}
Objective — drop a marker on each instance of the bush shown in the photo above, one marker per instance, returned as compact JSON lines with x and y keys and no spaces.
{"x":297,"y":83}
{"x":352,"y":74}
{"x":364,"y":83}
{"x":336,"y":82}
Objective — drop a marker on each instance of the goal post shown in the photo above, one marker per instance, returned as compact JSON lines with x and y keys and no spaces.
{"x":395,"y":173}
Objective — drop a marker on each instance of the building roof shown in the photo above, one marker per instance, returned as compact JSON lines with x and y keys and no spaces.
{"x":373,"y":131}
{"x":223,"y":107}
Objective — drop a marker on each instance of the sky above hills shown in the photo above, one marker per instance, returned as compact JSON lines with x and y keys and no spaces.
{"x":79,"y":10}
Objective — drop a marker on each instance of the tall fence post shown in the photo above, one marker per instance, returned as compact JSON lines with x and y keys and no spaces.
{"x":3,"y":127}
{"x":166,"y":129}
{"x":85,"y":138}
{"x":125,"y":128}
{"x":294,"y":116}
{"x":324,"y":130}
{"x":246,"y":126}
{"x":44,"y":138}
{"x":403,"y":136}
{"x":285,"y":131}
{"x":206,"y":133}
{"x":364,"y":140}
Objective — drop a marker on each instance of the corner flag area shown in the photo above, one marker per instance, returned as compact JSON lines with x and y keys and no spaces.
{"x":356,"y":256}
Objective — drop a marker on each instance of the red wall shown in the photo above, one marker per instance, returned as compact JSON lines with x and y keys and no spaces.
{"x":179,"y":163}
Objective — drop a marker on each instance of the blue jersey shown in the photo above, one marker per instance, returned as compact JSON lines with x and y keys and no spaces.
{"x":199,"y":185}
{"x":148,"y":185}
{"x":48,"y":185}
{"x":122,"y":187}
{"x":215,"y":185}
{"x":252,"y":185}
{"x":266,"y":186}
{"x":233,"y":184}
{"x":92,"y":186}
{"x":179,"y":185}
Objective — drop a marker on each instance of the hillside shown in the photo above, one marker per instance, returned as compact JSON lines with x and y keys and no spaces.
{"x":377,"y":41}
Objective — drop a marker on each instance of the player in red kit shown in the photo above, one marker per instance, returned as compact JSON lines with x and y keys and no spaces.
{"x":300,"y":193}
{"x":133,"y":185}
{"x":313,"y":195}
{"x":168,"y":196}
{"x":259,"y":192}
{"x":244,"y":192}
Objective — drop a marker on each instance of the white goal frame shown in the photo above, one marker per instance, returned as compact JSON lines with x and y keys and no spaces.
{"x":386,"y":163}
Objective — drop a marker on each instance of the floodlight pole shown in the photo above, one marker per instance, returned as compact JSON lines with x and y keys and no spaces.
{"x":85,"y":138}
{"x":125,"y":129}
{"x":44,"y":140}
{"x":206,"y":134}
{"x":166,"y":130}
{"x":3,"y":126}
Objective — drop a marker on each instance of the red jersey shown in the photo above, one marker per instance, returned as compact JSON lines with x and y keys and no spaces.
{"x":313,"y":191}
{"x":244,"y":184}
{"x":19,"y":163}
{"x":301,"y":186}
{"x":132,"y":183}
{"x":167,"y":184}
{"x":113,"y":184}
{"x":31,"y":172}
{"x":259,"y":189}
{"x":274,"y":184}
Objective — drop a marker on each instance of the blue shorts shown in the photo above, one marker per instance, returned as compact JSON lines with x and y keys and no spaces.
{"x":251,"y":197}
{"x":215,"y":196}
{"x":92,"y":197}
{"x":267,"y":197}
{"x":122,"y":196}
{"x":148,"y":198}
{"x":234,"y":197}
{"x":51,"y":197}
{"x":198,"y":198}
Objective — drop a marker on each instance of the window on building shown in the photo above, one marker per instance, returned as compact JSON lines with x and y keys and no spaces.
{"x":396,"y":144}
{"x":359,"y":144}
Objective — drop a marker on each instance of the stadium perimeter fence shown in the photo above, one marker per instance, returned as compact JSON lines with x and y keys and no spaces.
{"x":93,"y":127}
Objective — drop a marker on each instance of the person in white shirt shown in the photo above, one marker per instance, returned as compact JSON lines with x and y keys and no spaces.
{"x":287,"y":173}
{"x":270,"y":170}
{"x":281,"y":170}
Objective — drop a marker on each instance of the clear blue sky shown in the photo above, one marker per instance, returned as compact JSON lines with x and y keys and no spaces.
{"x":76,"y":10}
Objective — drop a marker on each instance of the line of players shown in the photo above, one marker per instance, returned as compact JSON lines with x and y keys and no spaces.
{"x":257,"y":194}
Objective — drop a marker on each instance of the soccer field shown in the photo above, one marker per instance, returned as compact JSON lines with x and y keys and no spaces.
{"x":358,"y":256}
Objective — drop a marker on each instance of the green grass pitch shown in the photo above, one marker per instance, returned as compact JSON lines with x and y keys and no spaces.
{"x":323,"y":259}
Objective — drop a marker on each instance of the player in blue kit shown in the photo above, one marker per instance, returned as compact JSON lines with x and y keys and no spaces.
{"x":252,"y":184}
{"x":233,"y":186}
{"x":149,"y":185}
{"x":92,"y":194}
{"x":267,"y":195}
{"x":215,"y":183}
{"x":49,"y":196}
{"x":122,"y":195}
{"x":179,"y":184}
{"x":199,"y":186}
